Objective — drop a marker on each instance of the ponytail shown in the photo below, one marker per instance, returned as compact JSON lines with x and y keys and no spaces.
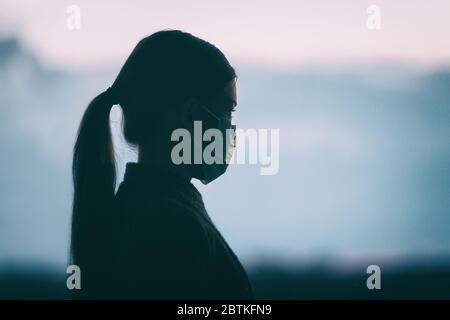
{"x":94,"y":177}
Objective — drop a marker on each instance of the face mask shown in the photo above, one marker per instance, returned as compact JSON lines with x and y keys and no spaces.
{"x":210,"y":172}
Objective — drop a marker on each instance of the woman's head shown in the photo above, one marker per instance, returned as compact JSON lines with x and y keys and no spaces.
{"x":171,"y":79}
{"x":163,"y":72}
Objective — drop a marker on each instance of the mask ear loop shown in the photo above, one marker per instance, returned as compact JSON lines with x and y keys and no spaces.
{"x":233,"y":127}
{"x":209,"y":111}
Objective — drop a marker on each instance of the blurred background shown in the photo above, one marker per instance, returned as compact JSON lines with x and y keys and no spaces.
{"x":364,"y":120}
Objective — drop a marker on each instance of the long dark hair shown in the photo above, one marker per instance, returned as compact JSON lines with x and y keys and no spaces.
{"x":164,"y":69}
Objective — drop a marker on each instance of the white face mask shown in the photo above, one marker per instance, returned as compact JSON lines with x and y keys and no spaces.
{"x":211,"y":172}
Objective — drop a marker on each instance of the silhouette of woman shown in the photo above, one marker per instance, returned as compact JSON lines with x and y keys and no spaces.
{"x":154,"y":238}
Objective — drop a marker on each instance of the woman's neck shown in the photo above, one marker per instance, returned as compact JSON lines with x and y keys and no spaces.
{"x":155,"y":159}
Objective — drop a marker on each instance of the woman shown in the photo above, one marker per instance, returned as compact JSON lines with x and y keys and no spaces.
{"x":154,"y":238}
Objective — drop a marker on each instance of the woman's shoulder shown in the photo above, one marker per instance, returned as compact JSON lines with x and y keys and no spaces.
{"x":165,"y":215}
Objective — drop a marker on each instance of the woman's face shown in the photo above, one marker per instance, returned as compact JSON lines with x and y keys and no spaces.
{"x":220,"y":107}
{"x":216,"y":151}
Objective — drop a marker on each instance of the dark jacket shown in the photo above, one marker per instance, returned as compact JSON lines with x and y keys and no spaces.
{"x":165,"y":244}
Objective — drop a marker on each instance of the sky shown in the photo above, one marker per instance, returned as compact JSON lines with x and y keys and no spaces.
{"x":285,"y":33}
